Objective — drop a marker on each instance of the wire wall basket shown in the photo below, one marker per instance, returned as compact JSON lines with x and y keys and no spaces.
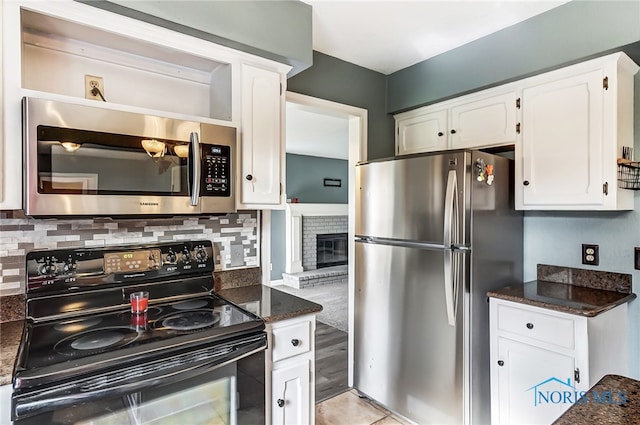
{"x":628,"y":174}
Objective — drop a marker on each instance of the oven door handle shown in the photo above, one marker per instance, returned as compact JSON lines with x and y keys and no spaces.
{"x":195,"y":162}
{"x":73,"y":393}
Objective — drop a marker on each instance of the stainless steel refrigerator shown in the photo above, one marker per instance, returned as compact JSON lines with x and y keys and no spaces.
{"x":434,"y":233}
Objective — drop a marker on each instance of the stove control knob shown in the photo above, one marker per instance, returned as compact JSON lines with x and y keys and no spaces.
{"x":186,"y":255}
{"x":69,"y":266}
{"x":171,"y":256}
{"x":48,"y":268}
{"x":201,"y":255}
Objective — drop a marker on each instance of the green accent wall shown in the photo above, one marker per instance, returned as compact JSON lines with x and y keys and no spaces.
{"x":276,"y":29}
{"x":336,"y":80}
{"x":305,"y":179}
{"x":569,"y":33}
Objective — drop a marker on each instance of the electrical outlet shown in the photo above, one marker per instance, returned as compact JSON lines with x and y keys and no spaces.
{"x":590,"y":255}
{"x":636,"y":258}
{"x":91,"y":82}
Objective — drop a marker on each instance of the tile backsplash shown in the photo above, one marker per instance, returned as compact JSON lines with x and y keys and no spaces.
{"x":20,"y":234}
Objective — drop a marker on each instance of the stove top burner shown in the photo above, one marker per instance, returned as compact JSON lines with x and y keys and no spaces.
{"x":190,"y":320}
{"x":95,"y":341}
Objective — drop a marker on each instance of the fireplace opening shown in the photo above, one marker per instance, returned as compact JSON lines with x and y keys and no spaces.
{"x":331,"y":249}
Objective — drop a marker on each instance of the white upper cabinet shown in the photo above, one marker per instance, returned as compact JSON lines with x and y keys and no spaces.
{"x":574,"y":123}
{"x":483,"y":121}
{"x":49,"y":47}
{"x":263,"y":153}
{"x":421,"y":131}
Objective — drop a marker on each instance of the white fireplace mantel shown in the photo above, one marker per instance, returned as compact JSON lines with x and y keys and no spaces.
{"x":293,"y":229}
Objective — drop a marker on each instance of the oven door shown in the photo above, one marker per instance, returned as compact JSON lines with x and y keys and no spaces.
{"x":213,"y":388}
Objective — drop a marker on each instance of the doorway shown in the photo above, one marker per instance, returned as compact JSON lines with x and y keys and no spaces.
{"x":333,"y":349}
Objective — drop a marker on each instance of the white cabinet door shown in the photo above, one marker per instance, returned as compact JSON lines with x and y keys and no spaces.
{"x":422,"y":132}
{"x":535,"y":385}
{"x":290,"y":394}
{"x":5,"y":404}
{"x":562,"y":142}
{"x":575,"y":121}
{"x":486,"y":121}
{"x":262,"y":147}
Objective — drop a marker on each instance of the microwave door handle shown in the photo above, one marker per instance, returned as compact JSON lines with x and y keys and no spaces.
{"x":194,"y":168}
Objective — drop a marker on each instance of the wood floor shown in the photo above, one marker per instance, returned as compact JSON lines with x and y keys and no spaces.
{"x":331,"y":361}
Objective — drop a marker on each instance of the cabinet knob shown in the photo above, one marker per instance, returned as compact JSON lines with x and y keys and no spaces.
{"x":280,"y":402}
{"x":453,"y":132}
{"x":249,"y":177}
{"x":526,"y":182}
{"x":440,"y":133}
{"x":529,"y":325}
{"x":500,"y":363}
{"x":295,"y":342}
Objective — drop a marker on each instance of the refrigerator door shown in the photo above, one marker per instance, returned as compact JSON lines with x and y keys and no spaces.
{"x":404,"y":199}
{"x":407,"y":355}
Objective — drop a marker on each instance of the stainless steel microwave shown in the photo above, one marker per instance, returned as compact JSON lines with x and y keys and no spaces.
{"x":89,"y":160}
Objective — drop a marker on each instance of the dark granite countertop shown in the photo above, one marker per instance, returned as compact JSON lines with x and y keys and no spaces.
{"x":10,"y":334}
{"x":563,"y":297}
{"x":269,"y":303}
{"x":613,"y":399}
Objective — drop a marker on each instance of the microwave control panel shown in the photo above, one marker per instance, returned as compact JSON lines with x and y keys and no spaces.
{"x":216,"y":170}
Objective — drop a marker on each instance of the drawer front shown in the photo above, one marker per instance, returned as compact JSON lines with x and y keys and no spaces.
{"x":559,"y":331}
{"x":291,"y":340}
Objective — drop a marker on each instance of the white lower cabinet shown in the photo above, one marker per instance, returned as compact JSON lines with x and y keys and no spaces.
{"x":290,"y":371}
{"x":543,"y":360}
{"x":5,"y":404}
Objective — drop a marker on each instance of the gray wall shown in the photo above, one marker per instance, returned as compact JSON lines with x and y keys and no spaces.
{"x":577,"y":30}
{"x":275,"y":29}
{"x":566,"y":34}
{"x":277,"y":244}
{"x":343,"y":82}
{"x":305,"y":179}
{"x":305,"y":176}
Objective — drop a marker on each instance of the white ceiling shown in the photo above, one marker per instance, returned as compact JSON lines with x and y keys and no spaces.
{"x":386,"y":36}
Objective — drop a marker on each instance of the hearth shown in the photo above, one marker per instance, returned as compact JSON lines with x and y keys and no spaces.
{"x":331,"y":249}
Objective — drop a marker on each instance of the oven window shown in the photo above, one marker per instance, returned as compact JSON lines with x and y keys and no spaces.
{"x":94,"y":163}
{"x":210,"y":398}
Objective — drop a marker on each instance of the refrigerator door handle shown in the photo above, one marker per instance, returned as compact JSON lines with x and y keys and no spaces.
{"x":400,"y":242}
{"x":450,"y":238}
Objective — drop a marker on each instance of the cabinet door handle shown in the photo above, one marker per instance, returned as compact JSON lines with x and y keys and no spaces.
{"x":526,"y":182}
{"x":249,"y":177}
{"x":500,"y":363}
{"x":440,"y":133}
{"x":280,"y":402}
{"x":453,"y":132}
{"x":295,"y":342}
{"x":529,"y":325}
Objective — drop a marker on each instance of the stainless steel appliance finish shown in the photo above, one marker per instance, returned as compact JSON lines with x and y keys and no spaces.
{"x":432,"y":237}
{"x":86,"y":357}
{"x":90,"y":160}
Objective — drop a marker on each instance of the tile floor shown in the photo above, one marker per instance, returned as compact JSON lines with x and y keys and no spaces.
{"x":349,"y":409}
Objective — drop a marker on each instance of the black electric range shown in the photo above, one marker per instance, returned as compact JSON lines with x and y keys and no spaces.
{"x":82,"y":341}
